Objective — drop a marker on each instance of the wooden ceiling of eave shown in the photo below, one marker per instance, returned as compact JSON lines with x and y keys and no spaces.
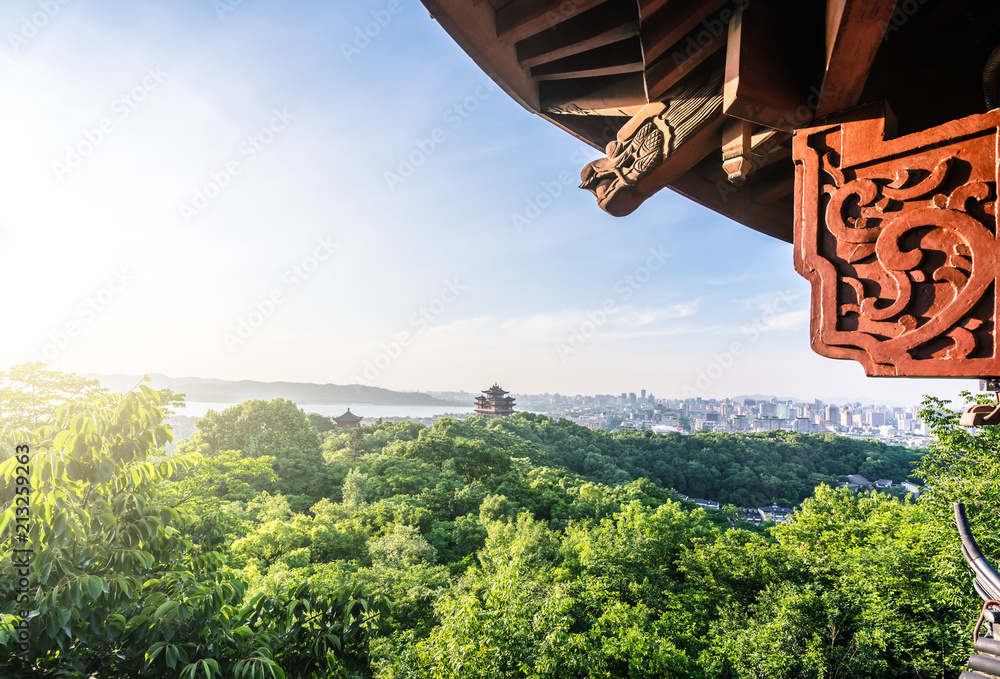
{"x":603,"y":25}
{"x":759,"y":205}
{"x":617,"y":58}
{"x":584,"y":55}
{"x":664,"y":25}
{"x":495,"y":4}
{"x":609,"y":95}
{"x":672,"y":67}
{"x":594,"y":130}
{"x":521,"y":19}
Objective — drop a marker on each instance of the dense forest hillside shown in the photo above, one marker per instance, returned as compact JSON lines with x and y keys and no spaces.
{"x":739,"y":469}
{"x":520,"y":547}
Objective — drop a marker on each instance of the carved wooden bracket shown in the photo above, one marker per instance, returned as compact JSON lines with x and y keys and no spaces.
{"x":659,"y":144}
{"x":898,"y":238}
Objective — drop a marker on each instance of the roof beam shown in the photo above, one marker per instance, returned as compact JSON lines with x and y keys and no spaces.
{"x":609,"y":95}
{"x":648,"y":8}
{"x":671,"y":69}
{"x":665,"y":29}
{"x":523,"y":18}
{"x":614,"y":59}
{"x":603,"y":25}
{"x":854,"y":32}
{"x":763,"y":62}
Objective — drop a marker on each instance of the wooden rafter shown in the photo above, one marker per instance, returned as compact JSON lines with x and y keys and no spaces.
{"x":617,"y":58}
{"x":608,"y":95}
{"x":523,"y":18}
{"x":670,"y":70}
{"x":647,"y":8}
{"x":666,"y":28}
{"x":603,"y":25}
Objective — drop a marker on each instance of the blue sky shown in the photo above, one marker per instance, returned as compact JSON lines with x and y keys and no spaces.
{"x":247,"y":190}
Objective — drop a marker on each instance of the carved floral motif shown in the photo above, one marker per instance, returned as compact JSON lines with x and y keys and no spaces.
{"x":898,"y":239}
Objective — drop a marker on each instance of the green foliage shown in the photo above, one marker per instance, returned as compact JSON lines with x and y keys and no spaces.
{"x":259,"y":428}
{"x":514,"y":547}
{"x":30,"y":395}
{"x":277,"y":430}
{"x":117,"y":587}
{"x":740,"y":469}
{"x":320,"y":423}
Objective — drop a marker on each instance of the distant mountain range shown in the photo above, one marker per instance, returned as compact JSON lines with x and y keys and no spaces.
{"x":197,"y":389}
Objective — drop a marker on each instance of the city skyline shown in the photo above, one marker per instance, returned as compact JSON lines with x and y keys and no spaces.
{"x":338,"y":194}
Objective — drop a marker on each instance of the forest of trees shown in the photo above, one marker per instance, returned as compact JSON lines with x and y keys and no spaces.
{"x":268,"y":545}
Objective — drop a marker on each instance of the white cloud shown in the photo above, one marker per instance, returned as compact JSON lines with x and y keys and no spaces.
{"x":789,"y":320}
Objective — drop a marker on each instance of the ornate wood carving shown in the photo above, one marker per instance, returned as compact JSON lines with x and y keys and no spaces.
{"x":898,"y":239}
{"x":647,"y":141}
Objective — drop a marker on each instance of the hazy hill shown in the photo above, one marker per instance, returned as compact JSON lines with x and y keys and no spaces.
{"x":224,"y":391}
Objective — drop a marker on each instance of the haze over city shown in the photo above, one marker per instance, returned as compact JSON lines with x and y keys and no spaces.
{"x":334,"y":192}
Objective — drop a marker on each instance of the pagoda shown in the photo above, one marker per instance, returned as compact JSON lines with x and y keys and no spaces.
{"x":495,"y":403}
{"x":347,"y":421}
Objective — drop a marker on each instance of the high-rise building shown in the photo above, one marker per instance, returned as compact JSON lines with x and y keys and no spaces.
{"x":875,"y":418}
{"x":832,"y":414}
{"x":846,"y":418}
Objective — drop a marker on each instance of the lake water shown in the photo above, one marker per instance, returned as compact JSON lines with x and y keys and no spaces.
{"x":369,"y":412}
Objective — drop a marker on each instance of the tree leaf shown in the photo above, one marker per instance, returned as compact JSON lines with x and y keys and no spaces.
{"x":96,"y":586}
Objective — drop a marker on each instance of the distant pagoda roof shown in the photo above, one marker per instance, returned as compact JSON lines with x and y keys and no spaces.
{"x":348,"y":417}
{"x":495,"y":391}
{"x":495,"y":403}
